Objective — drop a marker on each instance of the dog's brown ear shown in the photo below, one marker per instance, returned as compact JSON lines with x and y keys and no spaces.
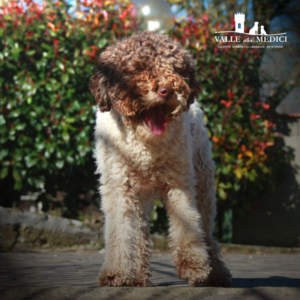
{"x":99,"y":88}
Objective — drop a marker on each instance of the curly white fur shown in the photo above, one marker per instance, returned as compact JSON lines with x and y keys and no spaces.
{"x":136,"y":168}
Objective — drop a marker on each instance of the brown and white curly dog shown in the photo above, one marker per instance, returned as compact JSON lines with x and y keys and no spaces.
{"x":151,"y":142}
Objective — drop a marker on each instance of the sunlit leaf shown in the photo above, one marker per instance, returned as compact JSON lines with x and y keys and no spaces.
{"x":238,"y":173}
{"x":3,"y":173}
{"x":222,"y":194}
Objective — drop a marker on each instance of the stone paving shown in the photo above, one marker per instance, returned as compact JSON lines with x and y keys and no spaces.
{"x":61,"y":275}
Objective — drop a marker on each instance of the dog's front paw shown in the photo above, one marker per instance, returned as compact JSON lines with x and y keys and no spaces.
{"x":141,"y":282}
{"x":118,"y":279}
{"x":194,"y":275}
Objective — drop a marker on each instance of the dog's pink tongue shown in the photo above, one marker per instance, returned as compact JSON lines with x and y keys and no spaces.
{"x":156,"y":120}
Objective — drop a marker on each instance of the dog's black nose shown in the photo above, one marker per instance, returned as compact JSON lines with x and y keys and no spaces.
{"x":164,"y":91}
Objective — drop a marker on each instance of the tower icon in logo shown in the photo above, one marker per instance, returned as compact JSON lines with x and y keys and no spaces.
{"x":239,"y":19}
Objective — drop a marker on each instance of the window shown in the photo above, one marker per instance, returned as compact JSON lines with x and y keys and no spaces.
{"x":239,"y":26}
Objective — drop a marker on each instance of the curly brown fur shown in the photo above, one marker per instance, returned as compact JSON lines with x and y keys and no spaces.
{"x":150,"y":57}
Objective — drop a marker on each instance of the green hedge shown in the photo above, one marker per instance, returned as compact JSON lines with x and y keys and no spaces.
{"x":47,"y":112}
{"x":247,"y":148}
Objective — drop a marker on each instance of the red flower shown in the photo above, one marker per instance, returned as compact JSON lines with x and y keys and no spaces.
{"x":227,"y":104}
{"x":93,"y":54}
{"x":254,"y":116}
{"x":123,"y":15}
{"x":214,"y":139}
{"x":205,"y":19}
{"x":51,"y":25}
{"x":230,"y":94}
{"x":266,"y":106}
{"x":243,"y":148}
{"x":187,"y":30}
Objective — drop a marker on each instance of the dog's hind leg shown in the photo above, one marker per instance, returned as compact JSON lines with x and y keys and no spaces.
{"x":206,"y":204}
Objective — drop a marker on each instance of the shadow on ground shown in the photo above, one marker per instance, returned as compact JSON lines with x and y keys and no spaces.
{"x":273,"y":281}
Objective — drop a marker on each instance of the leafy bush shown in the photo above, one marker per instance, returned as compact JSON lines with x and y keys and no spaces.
{"x":246,"y":147}
{"x":47,"y":112}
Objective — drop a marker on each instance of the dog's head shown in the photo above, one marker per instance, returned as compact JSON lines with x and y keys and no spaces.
{"x":148,"y":78}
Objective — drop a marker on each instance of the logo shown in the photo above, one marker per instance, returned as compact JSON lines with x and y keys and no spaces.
{"x":257,"y":34}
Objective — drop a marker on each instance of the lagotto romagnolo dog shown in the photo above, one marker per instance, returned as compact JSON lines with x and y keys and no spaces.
{"x":151,"y":142}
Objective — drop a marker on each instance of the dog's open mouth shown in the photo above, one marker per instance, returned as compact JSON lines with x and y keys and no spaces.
{"x":156,"y":120}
